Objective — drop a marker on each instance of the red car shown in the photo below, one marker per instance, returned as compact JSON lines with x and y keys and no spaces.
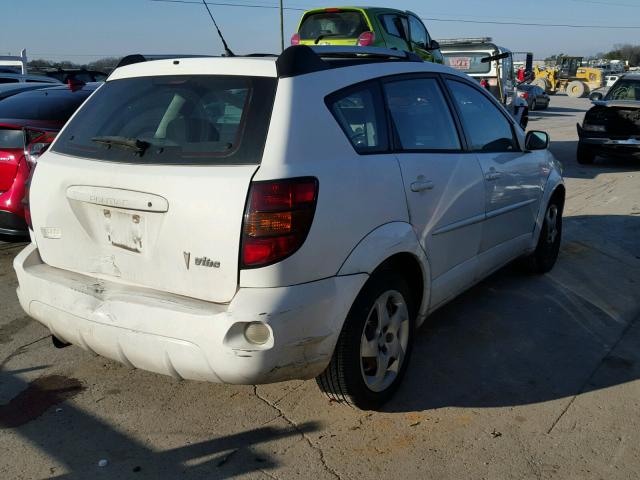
{"x":29,"y":122}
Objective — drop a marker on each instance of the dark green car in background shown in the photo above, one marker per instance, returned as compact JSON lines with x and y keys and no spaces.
{"x":367,"y":27}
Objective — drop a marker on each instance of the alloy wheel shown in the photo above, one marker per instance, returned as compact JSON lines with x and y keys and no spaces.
{"x":384,"y":341}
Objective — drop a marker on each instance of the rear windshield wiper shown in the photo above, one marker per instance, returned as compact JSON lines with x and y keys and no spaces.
{"x":138,"y":146}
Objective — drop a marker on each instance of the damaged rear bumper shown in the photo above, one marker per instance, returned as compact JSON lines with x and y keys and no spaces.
{"x":188,"y":338}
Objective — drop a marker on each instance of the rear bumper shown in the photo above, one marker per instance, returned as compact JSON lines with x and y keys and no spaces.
{"x":12,"y":224}
{"x":188,"y":338}
{"x":604,"y":141}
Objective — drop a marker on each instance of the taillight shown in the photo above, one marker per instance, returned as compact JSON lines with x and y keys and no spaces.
{"x":25,"y":199}
{"x":277,"y":219}
{"x":524,"y":95}
{"x":295,"y":39}
{"x":366,"y":38}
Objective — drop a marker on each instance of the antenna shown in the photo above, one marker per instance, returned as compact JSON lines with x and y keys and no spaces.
{"x":227,"y":51}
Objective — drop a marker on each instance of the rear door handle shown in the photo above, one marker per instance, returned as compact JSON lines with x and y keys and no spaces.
{"x":422,"y":186}
{"x":493,"y":176}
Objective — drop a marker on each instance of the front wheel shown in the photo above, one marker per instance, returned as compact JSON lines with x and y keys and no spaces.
{"x":374,"y":347}
{"x":546,"y":253}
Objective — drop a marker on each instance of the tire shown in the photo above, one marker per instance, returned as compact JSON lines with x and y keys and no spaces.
{"x":585,"y":155}
{"x":362,"y":380}
{"x":546,"y":253}
{"x":543,"y":83}
{"x":576,"y":89}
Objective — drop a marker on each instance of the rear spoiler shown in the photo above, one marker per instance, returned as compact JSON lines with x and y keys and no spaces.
{"x":301,"y":59}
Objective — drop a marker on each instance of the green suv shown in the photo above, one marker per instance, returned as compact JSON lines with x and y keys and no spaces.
{"x":367,"y":27}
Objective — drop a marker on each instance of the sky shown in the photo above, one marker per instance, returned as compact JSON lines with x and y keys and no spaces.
{"x":85,"y":30}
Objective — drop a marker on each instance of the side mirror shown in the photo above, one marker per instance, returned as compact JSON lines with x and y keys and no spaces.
{"x":536,"y":140}
{"x":433,"y":45}
{"x":595,"y":96}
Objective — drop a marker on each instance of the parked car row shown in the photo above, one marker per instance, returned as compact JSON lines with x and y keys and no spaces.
{"x":30,"y":117}
{"x":190,"y":221}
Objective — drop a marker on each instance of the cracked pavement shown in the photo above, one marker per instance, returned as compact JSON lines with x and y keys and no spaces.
{"x":521,"y":377}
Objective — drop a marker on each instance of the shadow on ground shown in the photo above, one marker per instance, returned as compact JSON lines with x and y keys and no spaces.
{"x":565,"y":151}
{"x":517,"y":339}
{"x":63,"y":436}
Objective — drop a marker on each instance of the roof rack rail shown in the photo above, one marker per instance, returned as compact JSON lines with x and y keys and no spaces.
{"x":302,"y":59}
{"x":139,"y":58}
{"x":466,"y":41}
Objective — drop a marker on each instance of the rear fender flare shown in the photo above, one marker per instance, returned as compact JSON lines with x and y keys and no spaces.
{"x":381,"y":244}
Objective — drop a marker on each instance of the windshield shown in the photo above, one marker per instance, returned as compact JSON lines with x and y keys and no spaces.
{"x":624,"y":90}
{"x":468,"y":62}
{"x":179,"y":119}
{"x":349,"y":24}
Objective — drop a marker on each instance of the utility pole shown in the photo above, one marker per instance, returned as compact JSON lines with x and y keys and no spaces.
{"x":281,"y":26}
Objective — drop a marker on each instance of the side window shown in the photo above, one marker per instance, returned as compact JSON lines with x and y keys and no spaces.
{"x":419,"y":35}
{"x":360,"y":113}
{"x":487,"y":129}
{"x":395,"y":25}
{"x":420,"y":115}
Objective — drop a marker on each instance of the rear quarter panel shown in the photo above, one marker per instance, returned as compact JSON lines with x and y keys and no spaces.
{"x":357,"y":193}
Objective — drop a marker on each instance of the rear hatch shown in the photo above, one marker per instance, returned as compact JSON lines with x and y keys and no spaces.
{"x":333,"y":26}
{"x":11,"y":152}
{"x":147,"y":183}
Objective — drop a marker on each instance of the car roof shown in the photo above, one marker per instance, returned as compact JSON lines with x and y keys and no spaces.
{"x":356,"y":7}
{"x":9,"y":89}
{"x":294,"y":61}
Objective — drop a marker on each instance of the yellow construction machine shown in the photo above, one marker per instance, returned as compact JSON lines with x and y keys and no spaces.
{"x":568,"y":76}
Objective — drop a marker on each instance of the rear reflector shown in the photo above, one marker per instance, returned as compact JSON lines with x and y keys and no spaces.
{"x":277,"y":219}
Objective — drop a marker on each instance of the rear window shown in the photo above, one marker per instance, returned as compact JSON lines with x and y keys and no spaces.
{"x":187,"y":119}
{"x":324,"y":25}
{"x":51,"y":105}
{"x":468,"y":62}
{"x":11,"y":138}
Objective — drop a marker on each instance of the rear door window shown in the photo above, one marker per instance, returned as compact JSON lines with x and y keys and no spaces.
{"x":174,"y":119}
{"x":360,"y":113}
{"x":395,"y":25}
{"x":420,"y":115}
{"x":342,"y":24}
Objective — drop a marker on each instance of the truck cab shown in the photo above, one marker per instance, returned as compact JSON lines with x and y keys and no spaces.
{"x":489,"y":64}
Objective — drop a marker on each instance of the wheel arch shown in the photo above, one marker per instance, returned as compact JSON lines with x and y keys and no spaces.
{"x":554,"y":188}
{"x":394,"y":246}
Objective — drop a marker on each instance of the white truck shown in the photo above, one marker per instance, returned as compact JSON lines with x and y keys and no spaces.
{"x":14,"y":64}
{"x":492,"y":66}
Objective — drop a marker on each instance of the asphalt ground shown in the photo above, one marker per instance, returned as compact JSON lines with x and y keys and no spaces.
{"x":520,"y":377}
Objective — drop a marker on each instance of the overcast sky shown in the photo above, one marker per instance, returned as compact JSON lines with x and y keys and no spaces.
{"x":83,"y":30}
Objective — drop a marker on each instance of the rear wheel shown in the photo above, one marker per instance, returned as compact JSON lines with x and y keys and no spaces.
{"x":374,"y":347}
{"x":585,"y":155}
{"x":576,"y":89}
{"x":545,"y":255}
{"x":543,"y":83}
